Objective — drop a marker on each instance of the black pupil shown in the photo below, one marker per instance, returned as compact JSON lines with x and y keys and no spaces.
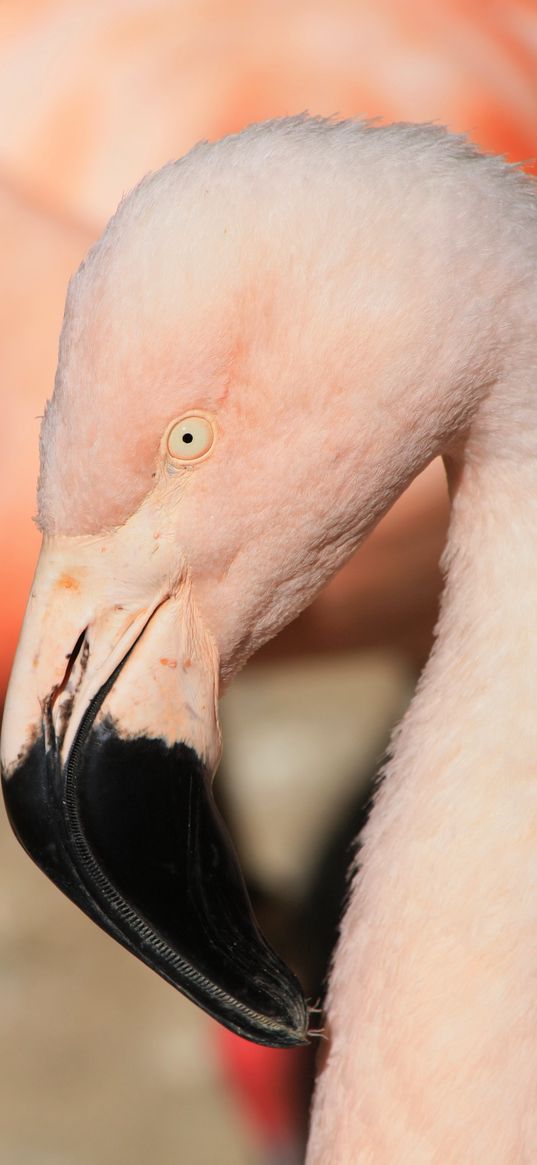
{"x":187,"y":438}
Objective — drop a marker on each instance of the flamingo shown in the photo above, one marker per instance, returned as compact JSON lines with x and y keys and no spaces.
{"x":272,"y":338}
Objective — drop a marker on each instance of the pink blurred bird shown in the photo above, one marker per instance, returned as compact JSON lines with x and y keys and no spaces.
{"x":273,"y":337}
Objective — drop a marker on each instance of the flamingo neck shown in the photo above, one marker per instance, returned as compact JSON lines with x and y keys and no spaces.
{"x":479,"y":680}
{"x":432,"y":1007}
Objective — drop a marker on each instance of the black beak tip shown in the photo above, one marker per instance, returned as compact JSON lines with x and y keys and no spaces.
{"x":128,"y":829}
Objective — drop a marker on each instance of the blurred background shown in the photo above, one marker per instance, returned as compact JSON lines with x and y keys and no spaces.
{"x":102,"y":1063}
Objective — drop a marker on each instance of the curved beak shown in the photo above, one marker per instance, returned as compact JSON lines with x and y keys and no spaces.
{"x":109,"y":745}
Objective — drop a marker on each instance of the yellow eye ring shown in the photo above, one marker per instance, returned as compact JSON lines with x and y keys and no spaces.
{"x":190,"y":438}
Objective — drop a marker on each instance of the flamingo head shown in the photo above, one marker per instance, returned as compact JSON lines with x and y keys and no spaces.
{"x":244,"y":386}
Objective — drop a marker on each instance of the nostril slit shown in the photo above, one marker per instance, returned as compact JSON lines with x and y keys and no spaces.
{"x":71,"y":660}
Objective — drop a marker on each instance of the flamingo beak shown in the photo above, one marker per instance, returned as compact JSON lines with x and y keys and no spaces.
{"x":109,"y":743}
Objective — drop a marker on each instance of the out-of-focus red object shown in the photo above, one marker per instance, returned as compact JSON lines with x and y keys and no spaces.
{"x":266,"y":1082}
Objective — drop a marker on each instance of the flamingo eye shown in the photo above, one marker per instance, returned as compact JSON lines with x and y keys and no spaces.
{"x":191,"y":438}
